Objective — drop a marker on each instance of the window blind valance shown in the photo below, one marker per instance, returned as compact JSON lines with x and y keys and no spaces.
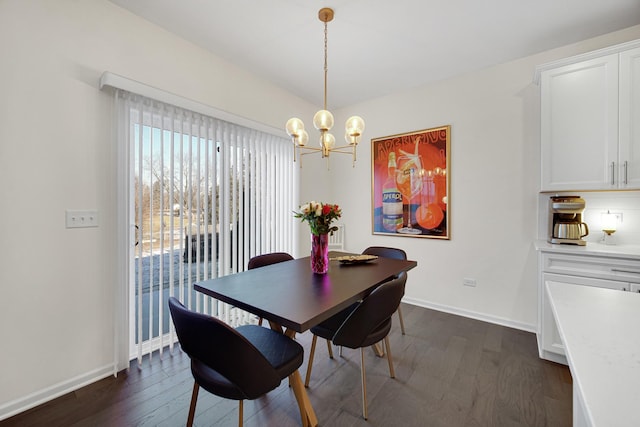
{"x":112,"y":80}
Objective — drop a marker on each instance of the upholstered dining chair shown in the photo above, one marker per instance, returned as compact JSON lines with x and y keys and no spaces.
{"x":242,"y":363}
{"x":361,"y":325}
{"x":386,"y":252}
{"x":267,"y":259}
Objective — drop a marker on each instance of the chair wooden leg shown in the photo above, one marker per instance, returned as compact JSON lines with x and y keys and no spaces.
{"x":240,"y":417}
{"x":311,"y":353}
{"x":330,"y":349}
{"x":192,"y":407}
{"x":392,"y":373}
{"x":378,"y":350}
{"x":260,"y":322}
{"x":364,"y":384}
{"x":401,"y":320}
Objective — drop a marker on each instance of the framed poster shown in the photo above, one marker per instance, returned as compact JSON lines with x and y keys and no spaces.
{"x":410,"y":183}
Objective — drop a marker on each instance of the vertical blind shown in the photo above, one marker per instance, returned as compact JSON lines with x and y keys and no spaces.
{"x":205,"y":195}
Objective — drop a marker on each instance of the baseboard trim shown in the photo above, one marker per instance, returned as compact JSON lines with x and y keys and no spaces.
{"x":472,"y":314}
{"x":32,"y":400}
{"x":554,"y":357}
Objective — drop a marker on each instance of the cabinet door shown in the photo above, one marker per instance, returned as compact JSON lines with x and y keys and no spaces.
{"x":629,"y":157}
{"x":551,"y":341}
{"x":579,"y":125}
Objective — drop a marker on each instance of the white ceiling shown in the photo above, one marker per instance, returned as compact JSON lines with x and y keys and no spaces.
{"x":377,"y":47}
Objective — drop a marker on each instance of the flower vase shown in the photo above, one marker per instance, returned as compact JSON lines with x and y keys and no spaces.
{"x":319,"y":253}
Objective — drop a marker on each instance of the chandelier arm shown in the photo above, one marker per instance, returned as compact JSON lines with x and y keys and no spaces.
{"x":340,"y":150}
{"x":342,"y":147}
{"x":311,"y":149}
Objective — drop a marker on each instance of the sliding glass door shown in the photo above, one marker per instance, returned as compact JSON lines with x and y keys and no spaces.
{"x":204,"y":196}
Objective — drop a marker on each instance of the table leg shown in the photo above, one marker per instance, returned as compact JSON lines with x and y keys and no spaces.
{"x":307,"y":414}
{"x":276,"y":327}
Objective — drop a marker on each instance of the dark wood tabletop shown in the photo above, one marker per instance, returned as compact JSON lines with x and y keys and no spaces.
{"x":289,"y":294}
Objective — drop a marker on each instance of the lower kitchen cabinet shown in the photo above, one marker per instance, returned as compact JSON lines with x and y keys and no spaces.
{"x":579,"y":266}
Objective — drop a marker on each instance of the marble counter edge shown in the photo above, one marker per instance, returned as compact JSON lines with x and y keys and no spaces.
{"x":592,"y":249}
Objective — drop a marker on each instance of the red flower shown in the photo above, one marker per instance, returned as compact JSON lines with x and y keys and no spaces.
{"x":326,"y":209}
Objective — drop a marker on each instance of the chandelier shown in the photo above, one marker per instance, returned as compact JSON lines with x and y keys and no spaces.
{"x":323,"y":120}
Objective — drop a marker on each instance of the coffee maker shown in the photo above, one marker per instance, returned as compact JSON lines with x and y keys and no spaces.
{"x":565,"y":220}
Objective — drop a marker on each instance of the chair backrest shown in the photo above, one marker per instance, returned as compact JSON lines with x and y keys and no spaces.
{"x":224,"y":350}
{"x":267,"y":259}
{"x":375,"y":309}
{"x":385,"y":252}
{"x":336,"y":240}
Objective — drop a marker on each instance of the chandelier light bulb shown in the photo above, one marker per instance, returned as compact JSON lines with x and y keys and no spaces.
{"x":294,"y":127}
{"x":354,"y":126}
{"x":303,"y":138}
{"x":351,"y":139}
{"x":323,"y":120}
{"x":327,"y":141}
{"x":353,"y":129}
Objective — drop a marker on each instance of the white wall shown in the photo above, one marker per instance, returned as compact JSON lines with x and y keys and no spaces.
{"x":57,"y":153}
{"x":494,"y":118}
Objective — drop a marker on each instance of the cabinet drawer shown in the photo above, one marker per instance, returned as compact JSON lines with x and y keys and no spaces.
{"x":587,"y":281}
{"x":608,"y":268}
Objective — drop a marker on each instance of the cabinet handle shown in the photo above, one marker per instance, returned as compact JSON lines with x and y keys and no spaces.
{"x":625,"y":172}
{"x":613,"y":171}
{"x":622,"y":270}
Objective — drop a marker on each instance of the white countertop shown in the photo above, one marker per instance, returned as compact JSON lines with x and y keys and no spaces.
{"x":599,"y":249}
{"x":600,"y":329}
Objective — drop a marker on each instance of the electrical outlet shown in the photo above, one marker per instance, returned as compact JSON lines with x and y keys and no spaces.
{"x":469,"y":282}
{"x":81,"y":219}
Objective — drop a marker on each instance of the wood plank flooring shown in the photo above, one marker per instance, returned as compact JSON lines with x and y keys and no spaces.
{"x":450,"y":371}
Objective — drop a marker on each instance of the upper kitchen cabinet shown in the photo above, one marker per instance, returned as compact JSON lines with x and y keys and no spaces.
{"x":629,"y":145}
{"x":590,"y":120}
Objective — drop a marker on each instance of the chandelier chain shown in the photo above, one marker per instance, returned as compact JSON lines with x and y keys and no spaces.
{"x":325,"y":65}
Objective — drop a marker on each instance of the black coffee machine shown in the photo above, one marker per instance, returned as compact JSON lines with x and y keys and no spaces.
{"x":565,"y":220}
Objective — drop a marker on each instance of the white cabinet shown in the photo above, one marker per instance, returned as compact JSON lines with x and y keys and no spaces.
{"x":590,"y":121}
{"x":629,"y":152}
{"x":579,"y":270}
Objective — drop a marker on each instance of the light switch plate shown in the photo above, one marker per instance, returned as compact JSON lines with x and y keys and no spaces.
{"x":81,"y":219}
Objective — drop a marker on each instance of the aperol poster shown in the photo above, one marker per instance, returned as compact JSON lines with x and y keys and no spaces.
{"x":410,"y":183}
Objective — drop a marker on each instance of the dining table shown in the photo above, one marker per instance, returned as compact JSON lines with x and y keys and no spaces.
{"x":293,"y":299}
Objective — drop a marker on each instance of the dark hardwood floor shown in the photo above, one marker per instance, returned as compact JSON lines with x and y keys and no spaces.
{"x":450,"y":371}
